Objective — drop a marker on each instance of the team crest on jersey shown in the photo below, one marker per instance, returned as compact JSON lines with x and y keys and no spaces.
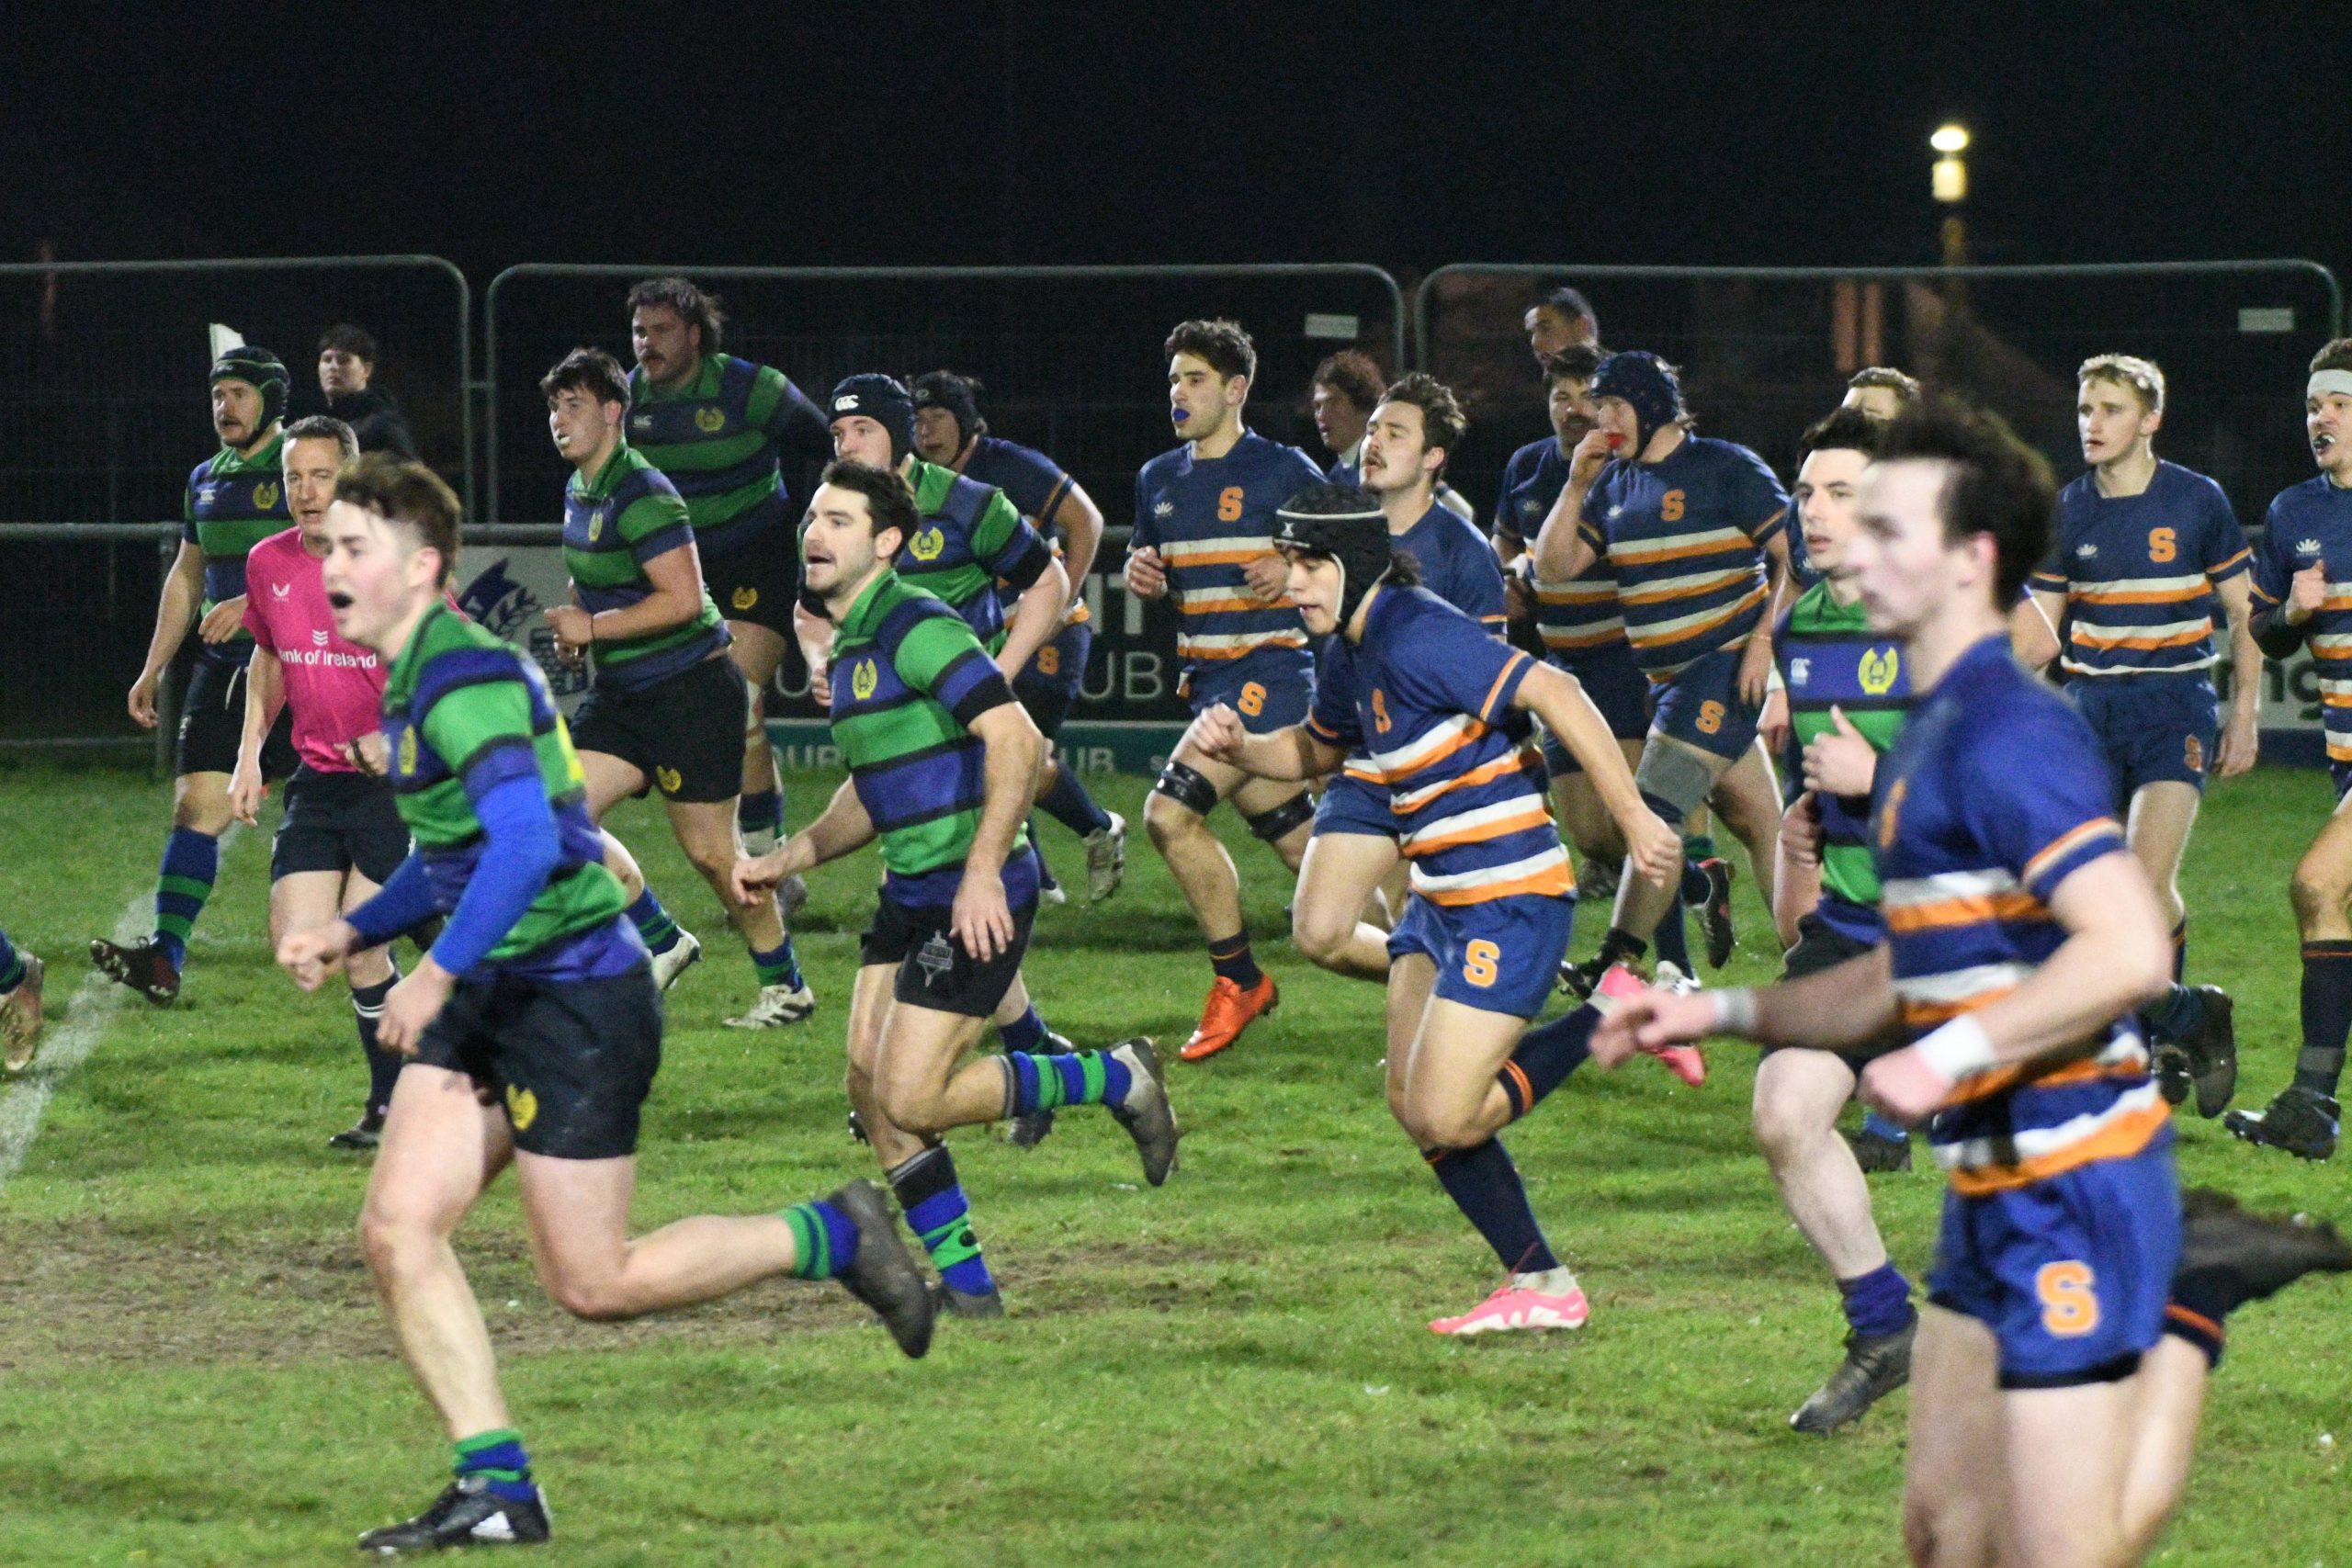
{"x":1879,"y":668}
{"x":926,"y":544}
{"x":863,"y":680}
{"x":265,"y":496}
{"x":406,"y":760}
{"x":668,"y":779}
{"x":710,"y":421}
{"x":744,"y":598}
{"x":595,"y":523}
{"x":521,"y":1107}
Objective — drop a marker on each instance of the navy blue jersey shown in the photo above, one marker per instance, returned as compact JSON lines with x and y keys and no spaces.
{"x":1030,"y":479}
{"x":1687,"y":535}
{"x":1577,"y":616}
{"x":2312,"y":522}
{"x":1457,"y":564}
{"x":1208,"y":517}
{"x":2138,"y":572}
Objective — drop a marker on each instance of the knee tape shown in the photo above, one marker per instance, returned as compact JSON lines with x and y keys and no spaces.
{"x":1277,"y":823}
{"x":1674,"y":782}
{"x":1186,"y":788}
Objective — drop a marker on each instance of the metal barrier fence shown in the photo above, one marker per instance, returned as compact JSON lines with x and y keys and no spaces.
{"x":1765,"y":351}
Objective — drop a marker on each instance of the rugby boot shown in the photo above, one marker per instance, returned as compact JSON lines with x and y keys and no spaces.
{"x":683,"y":954}
{"x":945,"y":1298}
{"x":468,"y":1513}
{"x":791,"y":896}
{"x":1525,"y":1303}
{"x":883,"y":1275}
{"x":776,"y":1006}
{"x":140,"y":965}
{"x":1876,"y":1153}
{"x":2169,"y":1063}
{"x":1230,"y":1009}
{"x":1049,"y":892}
{"x":1875,"y":1366}
{"x":1146,"y":1113}
{"x":1715,"y":911}
{"x":1106,"y":858}
{"x":2213,"y":1049}
{"x":2235,"y":1258}
{"x":1684,"y":1062}
{"x":2302,"y":1122}
{"x":364,"y":1133}
{"x":20,"y":1017}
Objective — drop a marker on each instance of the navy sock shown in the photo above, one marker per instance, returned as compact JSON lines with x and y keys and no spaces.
{"x":2198,"y":1311}
{"x":12,"y":968}
{"x":653,"y":922}
{"x":1878,"y":1126}
{"x":1024,"y":1033}
{"x":760,"y":811}
{"x":1694,"y":886}
{"x":1878,"y":1302}
{"x":1068,"y":804}
{"x":941,"y":1220}
{"x":1544,"y":1057}
{"x":498,"y":1456}
{"x":824,"y":1240}
{"x":383,"y":1066}
{"x":2175,"y":1013}
{"x":1232,"y":960}
{"x":2328,"y":1015}
{"x":191,"y":865}
{"x":1034,"y":1082}
{"x":1485,"y":1186}
{"x":778,"y":967}
{"x":2179,"y":949}
{"x":1673,"y":936}
{"x":1620,"y":947}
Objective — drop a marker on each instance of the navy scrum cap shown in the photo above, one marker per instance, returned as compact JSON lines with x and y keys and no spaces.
{"x":1646,"y":382}
{"x":882,"y":399}
{"x":1344,"y":523}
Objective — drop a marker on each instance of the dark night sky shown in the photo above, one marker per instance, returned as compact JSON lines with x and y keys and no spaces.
{"x":1403,"y":135}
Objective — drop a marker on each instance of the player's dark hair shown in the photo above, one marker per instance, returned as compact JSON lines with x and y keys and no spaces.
{"x":1221,"y":342}
{"x":1352,"y":374}
{"x":346,"y":338}
{"x":1443,"y":423}
{"x":887,"y":499}
{"x":1571,"y":303}
{"x":1905,"y":388}
{"x":404,"y":491}
{"x":1404,"y":569}
{"x":324,"y":427}
{"x":959,"y":395}
{"x":694,"y":307}
{"x":1575,"y":363}
{"x":2335,"y":355}
{"x":589,"y":370}
{"x":1997,"y":484}
{"x":1844,"y":430}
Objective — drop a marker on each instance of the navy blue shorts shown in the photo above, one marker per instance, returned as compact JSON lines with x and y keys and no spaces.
{"x":2070,"y":1273}
{"x":1350,"y":805}
{"x":1617,"y":687}
{"x":1700,"y":707}
{"x":1047,"y":686}
{"x":1271,"y":689}
{"x":2154,"y":728}
{"x":1500,"y":956}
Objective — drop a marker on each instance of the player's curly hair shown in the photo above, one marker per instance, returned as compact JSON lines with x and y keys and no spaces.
{"x":1998,"y":486}
{"x":1905,"y":387}
{"x":1352,"y":374}
{"x":1443,"y":424}
{"x":1221,"y":342}
{"x":404,"y":491}
{"x":887,"y":499}
{"x":694,"y":307}
{"x":1578,"y":362}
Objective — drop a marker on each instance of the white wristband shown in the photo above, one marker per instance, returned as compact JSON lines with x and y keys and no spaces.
{"x":1735,"y":1010}
{"x":1958,"y":1049}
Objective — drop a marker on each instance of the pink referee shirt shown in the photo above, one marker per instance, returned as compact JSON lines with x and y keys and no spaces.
{"x":335,"y":688}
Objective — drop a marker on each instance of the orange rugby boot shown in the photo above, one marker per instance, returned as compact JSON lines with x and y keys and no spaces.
{"x":1230,"y":1010}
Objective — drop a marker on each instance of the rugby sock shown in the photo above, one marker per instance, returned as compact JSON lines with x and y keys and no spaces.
{"x":2178,"y":1012}
{"x":1877,"y":1304}
{"x":777,"y":966}
{"x":12,"y":968}
{"x":1024,"y":1033}
{"x":2197,"y":1309}
{"x":498,"y":1457}
{"x":2328,"y":1015}
{"x":1877,"y":1126}
{"x":191,"y":865}
{"x":1621,"y":946}
{"x":760,"y":811}
{"x":1695,"y":886}
{"x":824,"y":1240}
{"x":1485,"y":1186}
{"x":942,"y":1221}
{"x":653,"y":922}
{"x":383,"y":1066}
{"x":1231,"y":958}
{"x":1035,"y":1082}
{"x":1544,"y":1057}
{"x":1068,"y":804}
{"x":1673,"y":936}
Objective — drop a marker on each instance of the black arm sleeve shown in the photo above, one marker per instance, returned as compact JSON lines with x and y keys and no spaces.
{"x":2274,"y":635}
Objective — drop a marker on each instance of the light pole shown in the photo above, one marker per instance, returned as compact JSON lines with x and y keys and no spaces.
{"x":1948,"y":180}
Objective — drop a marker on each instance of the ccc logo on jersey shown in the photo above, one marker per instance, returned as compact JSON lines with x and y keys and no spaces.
{"x":521,"y":1107}
{"x":744,"y":598}
{"x":863,"y":680}
{"x":1878,"y":669}
{"x":265,"y":496}
{"x":709,"y":420}
{"x":926,"y":544}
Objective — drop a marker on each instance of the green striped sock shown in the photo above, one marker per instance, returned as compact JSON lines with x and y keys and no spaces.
{"x":824,"y":1240}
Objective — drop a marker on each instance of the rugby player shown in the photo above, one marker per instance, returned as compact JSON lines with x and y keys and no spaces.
{"x":20,"y":978}
{"x":2303,"y":591}
{"x":235,"y":498}
{"x":667,"y":711}
{"x":533,"y":1026}
{"x":1346,"y":388}
{"x":341,"y":835}
{"x":1203,"y":537}
{"x":1881,"y":393}
{"x":1562,"y":318}
{"x":943,"y":766}
{"x":951,"y":433}
{"x":1415,"y":425}
{"x":2145,"y":548}
{"x":1694,"y":528}
{"x":2075,"y":1309}
{"x":720,"y":429}
{"x":1432,"y":697}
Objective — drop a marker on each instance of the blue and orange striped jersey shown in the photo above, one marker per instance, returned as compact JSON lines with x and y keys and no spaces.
{"x":1457,"y":564}
{"x":1994,"y":792}
{"x":1686,"y":536}
{"x":1577,"y":616}
{"x":1426,"y":697}
{"x":2138,"y":572}
{"x":2312,"y":522}
{"x":1207,"y":517}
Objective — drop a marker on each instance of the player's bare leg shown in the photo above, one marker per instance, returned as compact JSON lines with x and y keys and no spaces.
{"x":2304,"y":1117}
{"x":2195,"y":1026}
{"x":1337,"y":877}
{"x":706,"y":831}
{"x":758,"y":652}
{"x":1278,"y":812}
{"x":1955,"y":1509}
{"x":1642,"y":903}
{"x":303,"y":899}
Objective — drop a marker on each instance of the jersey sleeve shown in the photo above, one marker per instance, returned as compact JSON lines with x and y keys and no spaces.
{"x":257,"y":624}
{"x":2049,"y":576}
{"x":1595,"y":508}
{"x":1759,"y":503}
{"x":784,"y":414}
{"x":1476,"y":581}
{"x":188,"y":504}
{"x":1458,"y":666}
{"x":2039,"y":797}
{"x":2274,"y":563}
{"x":2223,"y":537}
{"x":1145,"y":533}
{"x":1007,"y":545}
{"x":1033,"y":481}
{"x":1331,"y":719}
{"x":475,"y":712}
{"x":938,"y":656}
{"x":654,"y":525}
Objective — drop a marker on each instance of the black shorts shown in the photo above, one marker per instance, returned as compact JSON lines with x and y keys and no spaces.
{"x":338,"y":822}
{"x":933,"y":969}
{"x":571,"y":1060}
{"x":212,"y":725}
{"x":684,"y":734}
{"x":757,"y":582}
{"x":1821,"y":946}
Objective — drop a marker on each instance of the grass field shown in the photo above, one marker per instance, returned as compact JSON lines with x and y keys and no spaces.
{"x":1231,"y":1370}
